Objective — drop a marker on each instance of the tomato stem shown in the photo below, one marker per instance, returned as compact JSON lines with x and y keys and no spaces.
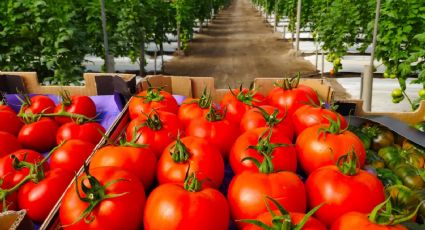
{"x":271,"y":119}
{"x":191,"y":182}
{"x":290,"y":83}
{"x":77,"y":118}
{"x":179,"y":152}
{"x":94,"y":194}
{"x":213,"y":115}
{"x":152,"y":94}
{"x":347,"y":163}
{"x":384,"y":214}
{"x":153,"y":120}
{"x":264,"y":148}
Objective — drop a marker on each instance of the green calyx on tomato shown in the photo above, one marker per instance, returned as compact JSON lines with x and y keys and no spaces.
{"x":152,"y":94}
{"x":152,"y":121}
{"x":245,"y":96}
{"x":35,"y":174}
{"x":271,"y":119}
{"x":265,"y":148}
{"x":347,"y":164}
{"x":179,"y":152}
{"x":421,"y":93}
{"x":191,"y":182}
{"x":288,"y":84}
{"x":334,"y":126}
{"x":281,"y":221}
{"x":205,"y":100}
{"x":77,"y":118}
{"x":420,"y":126}
{"x":214,"y":115}
{"x":385,"y":214}
{"x":93,"y":194}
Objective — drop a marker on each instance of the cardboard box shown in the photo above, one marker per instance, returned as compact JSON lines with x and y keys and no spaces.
{"x":15,"y":220}
{"x":355,"y":107}
{"x":95,"y":84}
{"x":193,"y":86}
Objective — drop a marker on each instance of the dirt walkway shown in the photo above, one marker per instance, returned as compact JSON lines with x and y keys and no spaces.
{"x":238,"y":47}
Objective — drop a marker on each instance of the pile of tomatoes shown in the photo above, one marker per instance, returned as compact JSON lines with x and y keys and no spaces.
{"x":294,"y":166}
{"x":42,"y":146}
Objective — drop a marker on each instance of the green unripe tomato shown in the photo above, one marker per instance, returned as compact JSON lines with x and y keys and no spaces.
{"x":396,"y":93}
{"x":386,"y":74}
{"x":397,"y":100}
{"x":422,"y":93}
{"x":393,"y":76}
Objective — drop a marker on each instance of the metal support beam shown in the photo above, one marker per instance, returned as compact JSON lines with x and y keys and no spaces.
{"x":297,"y":47}
{"x":367,"y":85}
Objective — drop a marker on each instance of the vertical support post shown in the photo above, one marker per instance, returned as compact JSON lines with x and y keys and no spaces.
{"x":108,"y":63}
{"x":367,"y":85}
{"x":323,"y":64}
{"x":297,"y":46}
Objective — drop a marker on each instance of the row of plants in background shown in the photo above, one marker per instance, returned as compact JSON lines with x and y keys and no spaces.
{"x":53,"y":41}
{"x":341,"y":24}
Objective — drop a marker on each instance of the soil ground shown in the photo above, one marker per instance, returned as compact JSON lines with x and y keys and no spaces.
{"x":239,"y":46}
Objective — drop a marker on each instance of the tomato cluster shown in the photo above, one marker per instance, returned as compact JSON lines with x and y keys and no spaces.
{"x":42,"y":146}
{"x":284,"y":160}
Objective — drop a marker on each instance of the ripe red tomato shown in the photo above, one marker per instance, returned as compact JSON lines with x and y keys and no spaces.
{"x":247,"y":191}
{"x":4,"y":107}
{"x":290,"y":98}
{"x":122,"y":212}
{"x":317,"y":150}
{"x":342,"y":193}
{"x":284,"y":158}
{"x":195,"y":154}
{"x":218,"y":131}
{"x":237,"y":102}
{"x":11,"y":200}
{"x":10,"y":122}
{"x":137,"y":160}
{"x":254,"y":118}
{"x":38,"y":199}
{"x":308,"y":115}
{"x":38,"y":104}
{"x":360,"y":221}
{"x":192,"y":109}
{"x":170,"y":206}
{"x":89,"y":132}
{"x":8,"y":143}
{"x":12,"y":176}
{"x":39,"y":135}
{"x":149,"y":99}
{"x":296,"y":218}
{"x":82,"y":105}
{"x":157,"y":130}
{"x":71,"y":155}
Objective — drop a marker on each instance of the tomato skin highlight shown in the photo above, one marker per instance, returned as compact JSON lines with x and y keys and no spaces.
{"x":10,"y":122}
{"x":157,"y":140}
{"x":8,"y":143}
{"x":89,"y":132}
{"x":247,"y":191}
{"x":170,"y":206}
{"x":221,"y":133}
{"x":360,"y":221}
{"x":40,"y":135}
{"x":138,"y":106}
{"x":139,"y":161}
{"x":284,"y":158}
{"x":40,"y":198}
{"x":123,"y":212}
{"x":12,"y":176}
{"x":291,"y":99}
{"x":82,"y":105}
{"x":71,"y":155}
{"x":39,"y":104}
{"x":342,"y":193}
{"x":307,"y":116}
{"x":204,"y":159}
{"x":316,"y":150}
{"x":236,"y":108}
{"x":254,"y":119}
{"x":190,"y":110}
{"x":296,"y":218}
